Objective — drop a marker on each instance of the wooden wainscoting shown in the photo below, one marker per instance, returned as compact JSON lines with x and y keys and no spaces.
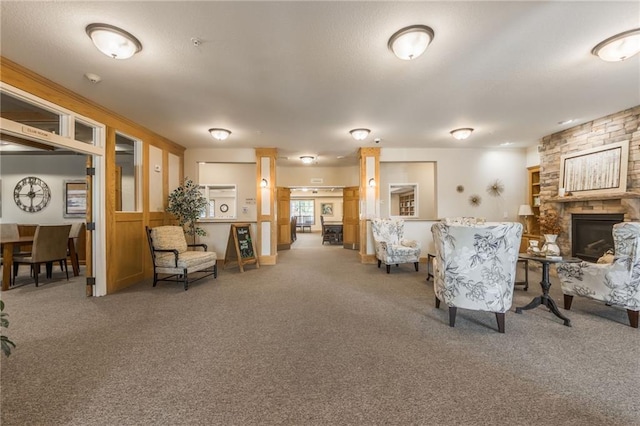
{"x":130,"y":252}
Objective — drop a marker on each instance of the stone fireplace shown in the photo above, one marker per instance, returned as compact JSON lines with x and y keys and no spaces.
{"x":619,"y":127}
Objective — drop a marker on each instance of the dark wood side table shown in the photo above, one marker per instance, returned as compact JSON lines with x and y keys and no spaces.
{"x":525,"y":282}
{"x":545,"y":299}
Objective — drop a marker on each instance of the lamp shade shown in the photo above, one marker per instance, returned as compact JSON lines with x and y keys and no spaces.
{"x":219,"y":134}
{"x":113,"y":41}
{"x":618,"y":47}
{"x":410,"y":42}
{"x":462,"y":133}
{"x":525,"y":210}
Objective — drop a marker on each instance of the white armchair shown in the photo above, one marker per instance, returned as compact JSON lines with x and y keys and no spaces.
{"x":475,"y":267}
{"x":391,"y":246}
{"x":616,"y":284}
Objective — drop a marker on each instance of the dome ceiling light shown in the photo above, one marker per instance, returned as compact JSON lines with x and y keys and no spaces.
{"x":220,"y":134}
{"x":307,"y":159}
{"x":618,"y":47}
{"x":113,"y":41}
{"x":462,"y":133}
{"x":411,"y":42}
{"x":360,"y":134}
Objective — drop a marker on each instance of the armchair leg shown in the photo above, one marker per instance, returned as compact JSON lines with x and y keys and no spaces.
{"x":215,"y":270}
{"x":186,"y":280}
{"x":388,"y":269}
{"x":452,"y":316}
{"x":567,"y":301}
{"x":379,"y":262}
{"x":155,"y":279}
{"x":633,"y":318}
{"x":437,"y":303}
{"x":416,"y":265}
{"x":500,"y":318}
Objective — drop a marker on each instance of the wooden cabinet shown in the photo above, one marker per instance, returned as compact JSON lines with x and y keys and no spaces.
{"x":534,"y":202}
{"x":407,"y":205}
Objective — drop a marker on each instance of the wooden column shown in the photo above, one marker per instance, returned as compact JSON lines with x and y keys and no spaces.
{"x":369,"y":199}
{"x":266,"y":205}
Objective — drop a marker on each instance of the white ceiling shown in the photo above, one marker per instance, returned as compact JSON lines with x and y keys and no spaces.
{"x":299,"y":75}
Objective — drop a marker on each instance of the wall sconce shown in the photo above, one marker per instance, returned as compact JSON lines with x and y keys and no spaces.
{"x":360,"y":134}
{"x":372,"y":183}
{"x":410,"y":42}
{"x":461,"y":134}
{"x":219,"y":134}
{"x":113,"y":41}
{"x":264,"y":183}
{"x":618,"y":47}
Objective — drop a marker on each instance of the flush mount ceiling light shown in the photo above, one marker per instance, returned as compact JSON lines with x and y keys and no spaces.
{"x":307,"y":159}
{"x":619,"y":47}
{"x":410,"y":42}
{"x":462,"y":133}
{"x":220,"y":134}
{"x":360,"y":134}
{"x":113,"y":41}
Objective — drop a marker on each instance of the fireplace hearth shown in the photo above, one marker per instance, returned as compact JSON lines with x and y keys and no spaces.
{"x":591,"y":234}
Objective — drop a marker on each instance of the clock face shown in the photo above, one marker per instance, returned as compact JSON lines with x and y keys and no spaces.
{"x":224,"y":208}
{"x":31,"y":194}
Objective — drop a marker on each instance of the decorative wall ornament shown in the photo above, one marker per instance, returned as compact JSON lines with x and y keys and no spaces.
{"x":460,"y":188}
{"x":475,"y":200}
{"x":496,"y":188}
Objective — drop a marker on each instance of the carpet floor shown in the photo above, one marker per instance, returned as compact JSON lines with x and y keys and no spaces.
{"x":318,"y":339}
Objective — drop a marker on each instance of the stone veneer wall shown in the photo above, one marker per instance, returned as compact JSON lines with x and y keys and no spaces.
{"x":618,"y":127}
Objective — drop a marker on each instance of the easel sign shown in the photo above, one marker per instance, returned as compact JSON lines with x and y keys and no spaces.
{"x":240,"y":246}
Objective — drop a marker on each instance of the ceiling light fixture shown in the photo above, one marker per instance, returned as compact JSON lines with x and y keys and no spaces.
{"x":618,"y":47}
{"x":360,"y":134}
{"x":113,"y":41}
{"x":411,"y":42}
{"x":462,"y":133}
{"x":306,"y":159}
{"x":220,"y":134}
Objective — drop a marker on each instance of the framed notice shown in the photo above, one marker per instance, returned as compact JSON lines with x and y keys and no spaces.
{"x":596,"y":170}
{"x":75,"y":198}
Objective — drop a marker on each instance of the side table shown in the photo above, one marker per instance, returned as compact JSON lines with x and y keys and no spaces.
{"x":545,"y":299}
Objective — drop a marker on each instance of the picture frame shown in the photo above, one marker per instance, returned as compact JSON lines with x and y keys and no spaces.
{"x":595,"y":171}
{"x":75,"y":198}
{"x":326,"y":209}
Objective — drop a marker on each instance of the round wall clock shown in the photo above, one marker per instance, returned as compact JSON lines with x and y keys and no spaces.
{"x":224,"y":208}
{"x":32,"y":194}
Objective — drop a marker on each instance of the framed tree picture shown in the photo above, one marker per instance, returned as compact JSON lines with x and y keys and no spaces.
{"x":75,"y":198}
{"x":596,"y":170}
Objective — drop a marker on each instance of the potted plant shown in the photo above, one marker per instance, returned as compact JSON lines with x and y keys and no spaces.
{"x":550,"y":227}
{"x":187,"y":203}
{"x":5,"y":343}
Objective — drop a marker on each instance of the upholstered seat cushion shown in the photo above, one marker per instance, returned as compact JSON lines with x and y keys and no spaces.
{"x":191,"y":260}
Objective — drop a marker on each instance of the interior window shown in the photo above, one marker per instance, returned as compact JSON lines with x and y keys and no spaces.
{"x":28,"y":114}
{"x":304,"y":210}
{"x":127,"y":174}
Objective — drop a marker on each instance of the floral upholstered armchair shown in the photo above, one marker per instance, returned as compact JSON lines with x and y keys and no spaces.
{"x":617,"y":283}
{"x":475,"y":267}
{"x":391,"y":246}
{"x":172,"y":261}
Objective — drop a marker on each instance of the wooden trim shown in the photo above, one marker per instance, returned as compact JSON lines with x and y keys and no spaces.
{"x":268,"y":260}
{"x":368,"y":258}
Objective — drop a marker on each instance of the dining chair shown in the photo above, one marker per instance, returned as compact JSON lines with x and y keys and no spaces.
{"x":49,"y":245}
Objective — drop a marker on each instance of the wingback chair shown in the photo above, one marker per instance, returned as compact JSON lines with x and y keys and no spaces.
{"x":475,"y":267}
{"x":49,"y":245}
{"x":391,"y":246}
{"x":617,"y":283}
{"x":172,"y":259}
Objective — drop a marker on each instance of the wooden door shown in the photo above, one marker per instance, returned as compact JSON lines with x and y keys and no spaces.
{"x":351,"y":217}
{"x":283,"y":213}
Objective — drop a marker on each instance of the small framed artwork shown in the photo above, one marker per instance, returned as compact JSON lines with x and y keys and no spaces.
{"x":75,"y":198}
{"x":326,"y":209}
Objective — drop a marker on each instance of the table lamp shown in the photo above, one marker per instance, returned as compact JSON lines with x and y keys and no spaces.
{"x":525,"y":210}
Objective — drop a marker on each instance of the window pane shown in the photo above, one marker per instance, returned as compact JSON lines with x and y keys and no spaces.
{"x":84,"y":133}
{"x":304,"y":211}
{"x":126,"y":177}
{"x":20,"y":111}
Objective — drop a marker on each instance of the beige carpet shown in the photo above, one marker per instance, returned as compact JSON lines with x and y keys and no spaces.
{"x":318,"y":339}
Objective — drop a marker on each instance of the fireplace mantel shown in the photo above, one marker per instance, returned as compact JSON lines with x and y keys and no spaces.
{"x":593,"y":197}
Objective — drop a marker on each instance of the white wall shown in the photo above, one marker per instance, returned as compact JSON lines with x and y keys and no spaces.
{"x":156,"y":197}
{"x":421,"y":173}
{"x":310,"y":176}
{"x":53,"y":170}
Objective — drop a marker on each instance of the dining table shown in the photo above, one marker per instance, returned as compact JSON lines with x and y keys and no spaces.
{"x":8,"y":245}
